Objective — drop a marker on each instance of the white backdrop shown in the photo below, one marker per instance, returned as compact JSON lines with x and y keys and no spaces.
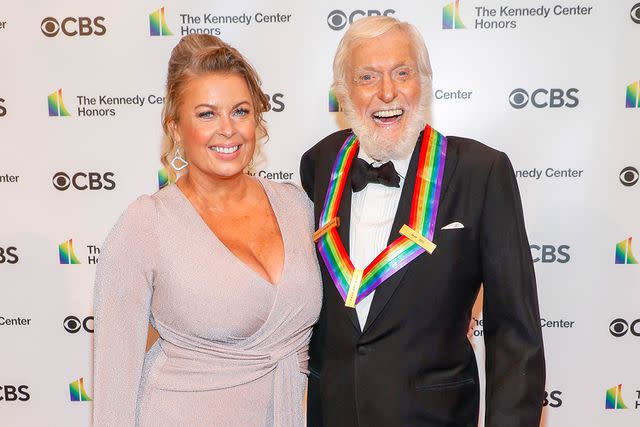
{"x":545,"y":81}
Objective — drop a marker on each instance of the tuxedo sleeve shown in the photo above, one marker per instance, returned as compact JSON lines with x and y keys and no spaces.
{"x":307,"y":171}
{"x":515,"y":368}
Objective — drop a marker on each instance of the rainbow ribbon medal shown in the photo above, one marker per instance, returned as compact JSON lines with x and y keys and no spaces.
{"x":416,"y":237}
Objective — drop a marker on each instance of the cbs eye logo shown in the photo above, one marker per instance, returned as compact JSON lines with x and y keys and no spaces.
{"x":543,"y":98}
{"x":72,"y":324}
{"x":629,"y":175}
{"x":620,"y":327}
{"x":70,"y":26}
{"x":84,"y":181}
{"x":337,"y":19}
{"x":635,"y":13}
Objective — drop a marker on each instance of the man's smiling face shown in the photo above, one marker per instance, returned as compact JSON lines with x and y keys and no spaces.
{"x":384,"y":86}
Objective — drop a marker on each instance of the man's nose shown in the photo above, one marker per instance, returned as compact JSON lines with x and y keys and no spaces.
{"x":388,"y":90}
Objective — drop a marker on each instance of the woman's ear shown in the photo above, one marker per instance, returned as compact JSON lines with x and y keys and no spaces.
{"x":173,"y":132}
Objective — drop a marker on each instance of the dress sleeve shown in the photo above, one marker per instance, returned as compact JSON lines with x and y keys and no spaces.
{"x":123,"y":289}
{"x":515,"y":367}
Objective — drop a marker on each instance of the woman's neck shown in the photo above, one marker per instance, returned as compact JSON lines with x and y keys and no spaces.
{"x":215,"y":193}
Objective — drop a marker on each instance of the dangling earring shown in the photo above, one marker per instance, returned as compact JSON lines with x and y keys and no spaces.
{"x":181,"y":163}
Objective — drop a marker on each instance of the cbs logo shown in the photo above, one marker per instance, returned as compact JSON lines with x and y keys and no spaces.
{"x":3,"y":110}
{"x":550,"y":253}
{"x":81,"y":26}
{"x":276,"y":103}
{"x":635,"y":13}
{"x":9,"y":255}
{"x":629,"y":176}
{"x":11,"y":393}
{"x":337,"y":19}
{"x":84,"y":181}
{"x":620,"y":327}
{"x":543,"y":98}
{"x":73,"y":324}
{"x":552,"y":399}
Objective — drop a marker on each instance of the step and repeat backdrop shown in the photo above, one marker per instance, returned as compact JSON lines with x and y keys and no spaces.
{"x":555,"y":84}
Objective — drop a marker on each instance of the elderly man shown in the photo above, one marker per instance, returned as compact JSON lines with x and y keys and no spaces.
{"x":409,"y":224}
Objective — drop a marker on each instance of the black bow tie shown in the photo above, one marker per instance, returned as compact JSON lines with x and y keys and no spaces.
{"x":363,"y":173}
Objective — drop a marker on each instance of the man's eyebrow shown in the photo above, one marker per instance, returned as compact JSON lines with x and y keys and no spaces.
{"x":365,"y":68}
{"x":393,"y":67}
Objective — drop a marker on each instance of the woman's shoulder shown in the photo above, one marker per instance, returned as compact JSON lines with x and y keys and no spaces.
{"x":143,"y":213}
{"x":146,"y":209}
{"x":147,"y":205}
{"x":142,"y":208}
{"x":137,"y":218}
{"x":288,"y":190}
{"x":293,"y":201}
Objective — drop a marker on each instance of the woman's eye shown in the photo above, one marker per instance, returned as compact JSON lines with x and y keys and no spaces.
{"x":205,"y":114}
{"x":241,"y":112}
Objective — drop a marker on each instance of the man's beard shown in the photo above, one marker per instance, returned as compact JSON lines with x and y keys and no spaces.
{"x":379,"y":148}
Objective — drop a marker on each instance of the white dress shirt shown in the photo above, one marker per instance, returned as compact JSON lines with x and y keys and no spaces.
{"x":372,"y":213}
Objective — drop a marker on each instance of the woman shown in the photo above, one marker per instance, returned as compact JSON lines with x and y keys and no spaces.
{"x":221,"y":263}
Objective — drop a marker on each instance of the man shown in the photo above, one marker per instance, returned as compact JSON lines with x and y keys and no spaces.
{"x":408,"y":244}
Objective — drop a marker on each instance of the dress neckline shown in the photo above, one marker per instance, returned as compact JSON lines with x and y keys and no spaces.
{"x":266,"y":187}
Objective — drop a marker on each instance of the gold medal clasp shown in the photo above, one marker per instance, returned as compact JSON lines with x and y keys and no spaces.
{"x":418,"y":238}
{"x":335,"y":222}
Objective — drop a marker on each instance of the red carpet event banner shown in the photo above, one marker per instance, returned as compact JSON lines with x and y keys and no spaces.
{"x":554,"y":84}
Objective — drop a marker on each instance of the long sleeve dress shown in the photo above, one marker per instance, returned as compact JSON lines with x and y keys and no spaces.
{"x":233,"y":348}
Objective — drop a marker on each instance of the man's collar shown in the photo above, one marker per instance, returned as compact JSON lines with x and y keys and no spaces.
{"x":401,"y":165}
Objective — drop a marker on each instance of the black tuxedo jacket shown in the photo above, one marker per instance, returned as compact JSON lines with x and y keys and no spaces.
{"x":412,"y":364}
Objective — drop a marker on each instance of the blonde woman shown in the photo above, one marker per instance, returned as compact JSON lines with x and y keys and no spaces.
{"x":221,"y":263}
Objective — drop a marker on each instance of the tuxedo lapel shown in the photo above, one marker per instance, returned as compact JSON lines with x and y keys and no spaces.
{"x":449,"y":168}
{"x":385,"y":291}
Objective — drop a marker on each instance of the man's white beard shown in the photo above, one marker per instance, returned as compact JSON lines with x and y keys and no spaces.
{"x":382,"y":149}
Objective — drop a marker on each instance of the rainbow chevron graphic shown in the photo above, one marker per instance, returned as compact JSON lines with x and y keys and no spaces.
{"x":632,"y":95}
{"x":163,"y":179}
{"x":451,"y":17}
{"x":334,"y":105}
{"x":56,"y":106}
{"x":77,"y":393}
{"x":623,"y":252}
{"x":66,"y":253}
{"x":158,"y":24}
{"x":613,"y":399}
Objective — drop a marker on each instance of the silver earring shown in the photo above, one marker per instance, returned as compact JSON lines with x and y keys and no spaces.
{"x":178,"y":163}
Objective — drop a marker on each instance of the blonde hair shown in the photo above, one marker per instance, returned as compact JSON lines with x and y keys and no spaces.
{"x":195,"y":55}
{"x":368,"y":28}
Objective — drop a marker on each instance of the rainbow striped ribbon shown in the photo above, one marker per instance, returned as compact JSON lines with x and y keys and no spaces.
{"x":424,"y":210}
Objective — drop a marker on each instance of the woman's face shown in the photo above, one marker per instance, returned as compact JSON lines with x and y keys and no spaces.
{"x":216,"y":125}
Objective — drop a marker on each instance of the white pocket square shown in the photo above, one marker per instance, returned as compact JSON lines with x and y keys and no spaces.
{"x":452,"y":226}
